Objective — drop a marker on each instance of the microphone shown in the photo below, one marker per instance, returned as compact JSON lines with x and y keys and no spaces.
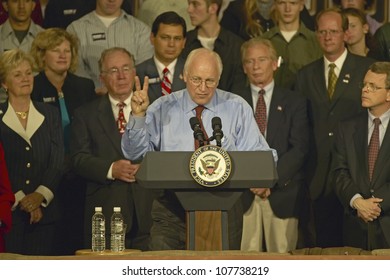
{"x":216,"y":124}
{"x":198,"y":133}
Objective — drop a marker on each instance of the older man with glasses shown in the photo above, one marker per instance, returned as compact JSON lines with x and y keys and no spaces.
{"x":164,"y":126}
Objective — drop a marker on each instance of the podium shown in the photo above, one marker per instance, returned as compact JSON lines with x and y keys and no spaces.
{"x":170,"y":171}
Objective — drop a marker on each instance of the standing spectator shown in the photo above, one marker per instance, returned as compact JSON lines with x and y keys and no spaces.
{"x":106,"y":27}
{"x":18,"y":31}
{"x":273,"y":216}
{"x":295,"y":44}
{"x":361,"y":165}
{"x":160,"y":127}
{"x":331,"y":85}
{"x":61,"y":13}
{"x":36,"y":15}
{"x":34,"y":154}
{"x":381,"y":43}
{"x":251,"y":18}
{"x":7,"y":199}
{"x":150,"y":9}
{"x":56,"y":52}
{"x":362,"y":5}
{"x":97,"y":156}
{"x":168,"y":38}
{"x":210,"y":35}
{"x":358,"y":37}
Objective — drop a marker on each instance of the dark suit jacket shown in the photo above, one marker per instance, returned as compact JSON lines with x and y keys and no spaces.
{"x":288,"y":134}
{"x":148,"y":68}
{"x":350,"y":166}
{"x":45,"y":155}
{"x":77,"y":91}
{"x":95,"y":145}
{"x":324,"y":115}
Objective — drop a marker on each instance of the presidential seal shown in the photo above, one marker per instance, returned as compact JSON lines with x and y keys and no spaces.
{"x":210,"y":166}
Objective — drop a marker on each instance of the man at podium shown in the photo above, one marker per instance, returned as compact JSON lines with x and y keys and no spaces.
{"x":164,"y":126}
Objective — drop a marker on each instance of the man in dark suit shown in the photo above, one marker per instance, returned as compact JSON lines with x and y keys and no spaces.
{"x":361,"y":165}
{"x":331,"y":85}
{"x":273,"y":216}
{"x":168,"y":38}
{"x":97,"y":155}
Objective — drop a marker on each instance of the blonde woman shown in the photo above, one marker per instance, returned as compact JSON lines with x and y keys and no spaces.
{"x":32,"y":141}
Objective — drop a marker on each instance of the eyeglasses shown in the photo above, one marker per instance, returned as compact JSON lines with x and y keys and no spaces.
{"x":332,"y":32}
{"x":370,"y":87}
{"x":114,"y":71}
{"x":196,"y":81}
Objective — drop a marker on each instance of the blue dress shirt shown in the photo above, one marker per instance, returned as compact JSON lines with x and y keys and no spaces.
{"x":166,"y":125}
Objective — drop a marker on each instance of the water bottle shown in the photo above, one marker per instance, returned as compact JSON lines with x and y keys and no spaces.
{"x":98,"y":231}
{"x":117,"y":231}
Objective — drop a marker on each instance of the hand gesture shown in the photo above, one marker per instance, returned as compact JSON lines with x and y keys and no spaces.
{"x":140,"y":99}
{"x":264,"y":193}
{"x":31,"y":202}
{"x":124,"y":170}
{"x":368,"y":209}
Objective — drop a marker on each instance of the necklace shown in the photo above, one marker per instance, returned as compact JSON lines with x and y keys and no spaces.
{"x":22,"y":115}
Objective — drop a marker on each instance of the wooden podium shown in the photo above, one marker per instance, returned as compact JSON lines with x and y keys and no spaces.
{"x":170,"y":171}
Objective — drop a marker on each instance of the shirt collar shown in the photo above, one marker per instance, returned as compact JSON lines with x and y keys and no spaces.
{"x":339,"y":61}
{"x":160,"y":67}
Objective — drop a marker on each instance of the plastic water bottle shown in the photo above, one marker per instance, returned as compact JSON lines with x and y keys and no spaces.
{"x":117,"y":231}
{"x":98,"y":231}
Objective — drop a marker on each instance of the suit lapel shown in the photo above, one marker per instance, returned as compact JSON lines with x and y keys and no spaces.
{"x":178,"y":82}
{"x":319,"y":82}
{"x":344,"y":79}
{"x":155,"y":87}
{"x":107,"y":120}
{"x":275,"y":115}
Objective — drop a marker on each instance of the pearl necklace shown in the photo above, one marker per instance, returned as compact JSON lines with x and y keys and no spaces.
{"x":22,"y":115}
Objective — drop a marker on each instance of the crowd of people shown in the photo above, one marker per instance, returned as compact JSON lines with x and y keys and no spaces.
{"x":88,"y":87}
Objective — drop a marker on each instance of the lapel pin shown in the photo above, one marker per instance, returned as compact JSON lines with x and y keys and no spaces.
{"x":279,"y":108}
{"x":1,"y":112}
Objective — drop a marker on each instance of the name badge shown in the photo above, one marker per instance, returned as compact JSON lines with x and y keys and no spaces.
{"x":154,"y":80}
{"x":98,"y":36}
{"x":49,"y":99}
{"x":68,"y":12}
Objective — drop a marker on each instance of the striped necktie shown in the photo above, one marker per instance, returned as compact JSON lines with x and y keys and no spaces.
{"x":166,"y":85}
{"x":332,"y":79}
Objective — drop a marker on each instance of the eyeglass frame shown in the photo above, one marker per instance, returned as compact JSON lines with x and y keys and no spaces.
{"x":371,"y":87}
{"x":197,"y":81}
{"x":114,"y":71}
{"x":331,"y":32}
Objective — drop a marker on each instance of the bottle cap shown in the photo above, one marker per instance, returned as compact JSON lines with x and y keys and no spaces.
{"x":117,"y":209}
{"x":98,"y":209}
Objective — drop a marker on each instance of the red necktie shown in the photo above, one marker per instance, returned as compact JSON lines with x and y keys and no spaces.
{"x":261,"y":112}
{"x":373,"y":148}
{"x":121,"y":121}
{"x":199,"y":109}
{"x":165,"y":83}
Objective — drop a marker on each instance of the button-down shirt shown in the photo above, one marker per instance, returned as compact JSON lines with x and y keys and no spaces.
{"x":165,"y":126}
{"x":9,"y":41}
{"x":126,"y":31}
